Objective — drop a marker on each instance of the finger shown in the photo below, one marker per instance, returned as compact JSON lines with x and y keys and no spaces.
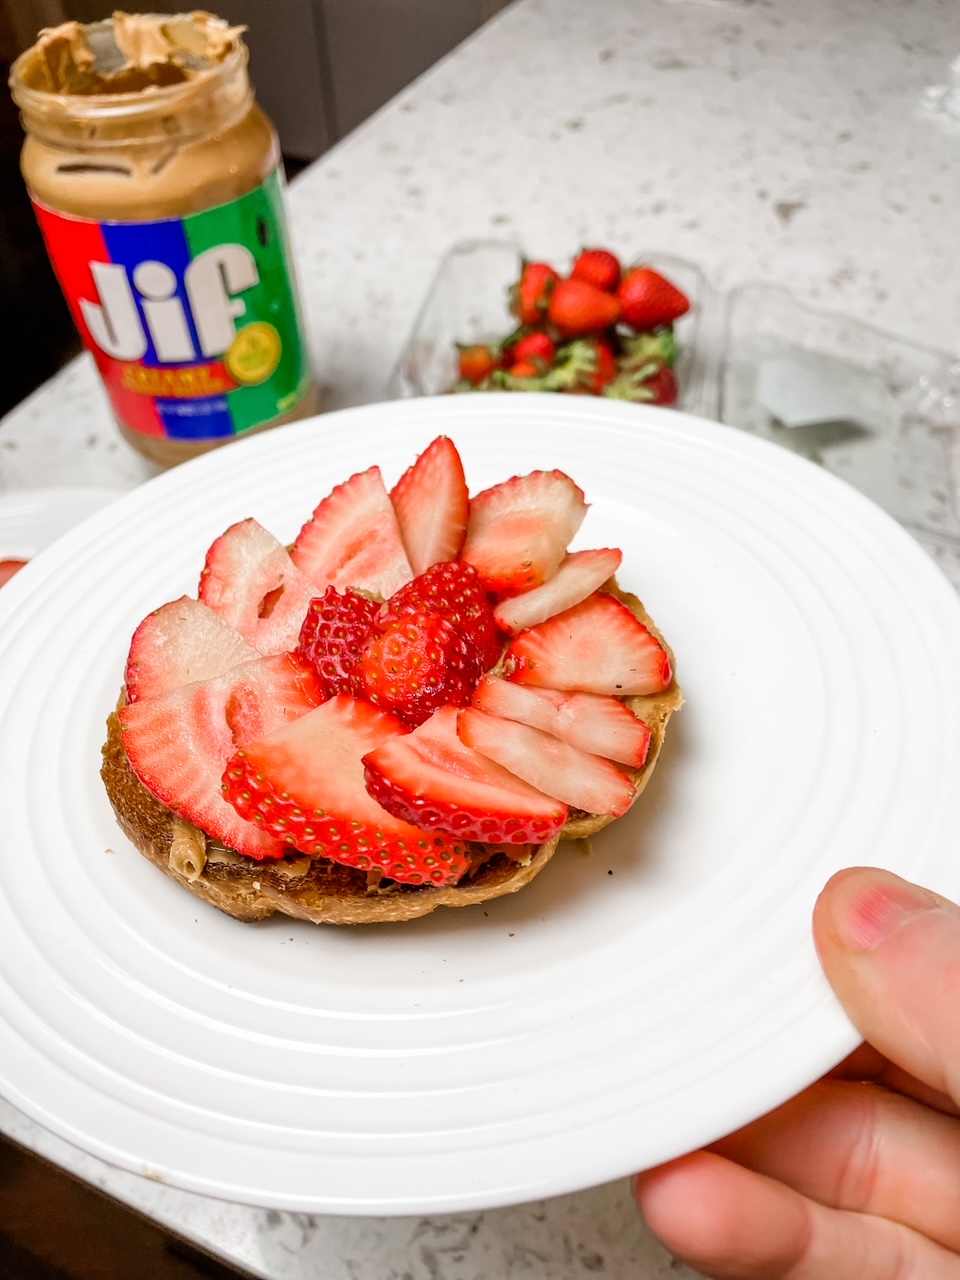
{"x":733,"y":1224}
{"x":891,"y":951}
{"x":859,"y":1147}
{"x":867,"y":1063}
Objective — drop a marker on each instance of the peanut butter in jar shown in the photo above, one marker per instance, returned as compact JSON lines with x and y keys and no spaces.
{"x":157,"y":184}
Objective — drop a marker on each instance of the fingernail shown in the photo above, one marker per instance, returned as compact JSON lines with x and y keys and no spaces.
{"x":871,"y":905}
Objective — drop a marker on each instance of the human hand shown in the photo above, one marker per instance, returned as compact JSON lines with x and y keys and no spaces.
{"x":857,"y":1178}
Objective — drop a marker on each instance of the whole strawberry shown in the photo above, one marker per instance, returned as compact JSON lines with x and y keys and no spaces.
{"x":598,"y":267}
{"x":648,"y":299}
{"x":477,"y":362}
{"x":333,"y":637}
{"x":455,"y":591}
{"x":651,"y":384}
{"x":577,"y":308}
{"x":661,"y":388}
{"x":524,"y":369}
{"x":534,"y":347}
{"x":599,"y":368}
{"x":530,"y":296}
{"x":413,"y":666}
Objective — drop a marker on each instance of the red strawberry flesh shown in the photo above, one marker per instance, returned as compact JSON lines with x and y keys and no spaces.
{"x":8,"y":568}
{"x":432,"y":504}
{"x":580,"y":780}
{"x":598,"y":646}
{"x":597,"y":723}
{"x":431,"y":778}
{"x":304,"y":785}
{"x":353,"y":539}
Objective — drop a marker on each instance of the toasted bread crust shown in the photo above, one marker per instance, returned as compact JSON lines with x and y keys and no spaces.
{"x":325,"y":892}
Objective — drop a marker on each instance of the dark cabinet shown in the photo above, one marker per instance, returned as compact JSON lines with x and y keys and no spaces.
{"x":320,"y":66}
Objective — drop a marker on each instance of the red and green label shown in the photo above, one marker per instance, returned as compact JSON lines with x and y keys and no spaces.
{"x":194,"y":322}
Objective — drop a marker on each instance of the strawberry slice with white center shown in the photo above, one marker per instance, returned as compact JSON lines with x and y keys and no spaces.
{"x":519,"y":530}
{"x":579,"y":575}
{"x":179,"y":742}
{"x":251,"y":582}
{"x":576,"y":778}
{"x":431,"y":778}
{"x":594,"y":722}
{"x":179,"y":643}
{"x":598,"y":646}
{"x":432,"y":504}
{"x":353,"y":539}
{"x":304,"y":786}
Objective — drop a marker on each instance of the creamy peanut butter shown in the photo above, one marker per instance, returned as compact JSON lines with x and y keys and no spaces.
{"x":156,"y":181}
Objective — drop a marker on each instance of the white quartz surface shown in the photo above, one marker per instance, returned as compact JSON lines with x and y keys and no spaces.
{"x":765,"y":140}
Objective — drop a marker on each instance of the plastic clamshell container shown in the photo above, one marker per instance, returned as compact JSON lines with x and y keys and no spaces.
{"x":467,"y":302}
{"x":881,"y":413}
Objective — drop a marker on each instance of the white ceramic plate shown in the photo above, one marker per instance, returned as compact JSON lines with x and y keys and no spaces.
{"x":30,"y":519}
{"x":626,"y":1006}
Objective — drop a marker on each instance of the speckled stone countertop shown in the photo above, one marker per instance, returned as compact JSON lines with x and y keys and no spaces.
{"x":765,"y":140}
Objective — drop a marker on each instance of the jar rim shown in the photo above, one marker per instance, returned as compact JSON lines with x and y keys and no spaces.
{"x":154,"y":99}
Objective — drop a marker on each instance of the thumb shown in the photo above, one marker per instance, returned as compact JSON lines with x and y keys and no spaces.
{"x":891,"y":952}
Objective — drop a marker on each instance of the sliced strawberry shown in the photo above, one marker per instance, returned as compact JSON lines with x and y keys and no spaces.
{"x":8,"y":568}
{"x":598,"y":646}
{"x":251,"y":582}
{"x":178,"y":643}
{"x":269,"y":693}
{"x":178,"y":743}
{"x":415,"y":665}
{"x":519,"y":530}
{"x":353,"y":539}
{"x":432,"y":503}
{"x":572,"y":776}
{"x":579,"y":575}
{"x":455,"y":591}
{"x":333,"y":636}
{"x":594,"y":722}
{"x":304,"y":786}
{"x":431,"y":778}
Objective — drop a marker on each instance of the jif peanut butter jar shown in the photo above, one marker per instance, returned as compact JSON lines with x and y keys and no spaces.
{"x":157,"y":183}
